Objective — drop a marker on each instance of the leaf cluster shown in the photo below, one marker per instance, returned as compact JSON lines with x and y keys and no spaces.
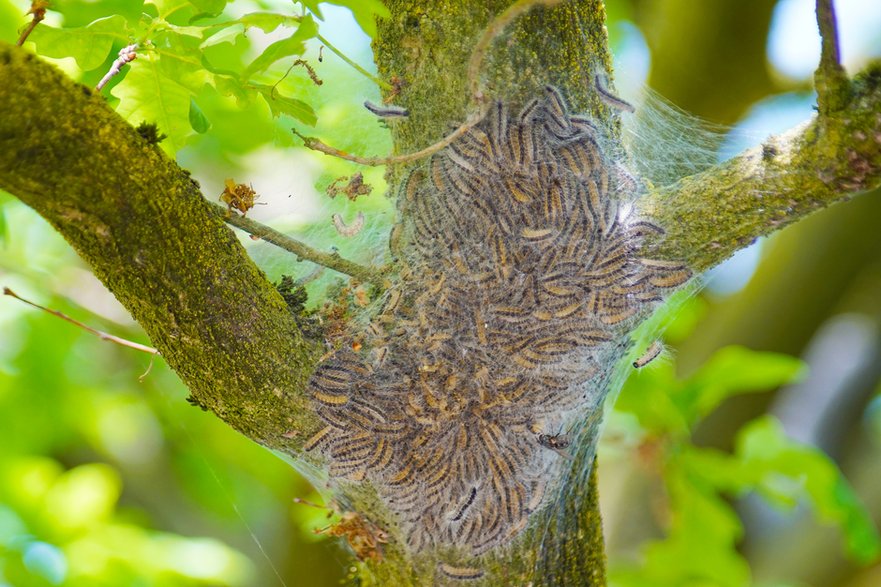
{"x":657,"y":413}
{"x":194,"y":54}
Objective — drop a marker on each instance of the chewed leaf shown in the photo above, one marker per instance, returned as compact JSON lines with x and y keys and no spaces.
{"x":145,"y":95}
{"x":293,"y":45}
{"x":269,"y":21}
{"x":280,"y":104}
{"x":89,"y":45}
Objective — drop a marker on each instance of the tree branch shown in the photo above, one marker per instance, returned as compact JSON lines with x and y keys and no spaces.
{"x":301,"y":250}
{"x":38,"y":10}
{"x":564,"y":46}
{"x":711,"y":215}
{"x":146,"y":231}
{"x":157,"y":244}
{"x":830,"y":78}
{"x":706,"y":217}
{"x":99,"y":333}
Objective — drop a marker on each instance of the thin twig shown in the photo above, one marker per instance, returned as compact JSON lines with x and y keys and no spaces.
{"x":126,"y":55}
{"x":830,"y":77}
{"x":361,"y":70}
{"x":38,"y":9}
{"x":476,"y":104}
{"x":301,"y":250}
{"x":317,"y":145}
{"x":98,"y":333}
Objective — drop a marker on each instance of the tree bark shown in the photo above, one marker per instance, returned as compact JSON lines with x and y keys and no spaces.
{"x":147,"y":233}
{"x":142,"y":225}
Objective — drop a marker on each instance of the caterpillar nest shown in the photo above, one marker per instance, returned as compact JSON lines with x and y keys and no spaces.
{"x":524,"y":269}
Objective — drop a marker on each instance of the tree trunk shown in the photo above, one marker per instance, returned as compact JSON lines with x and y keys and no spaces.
{"x":147,"y":233}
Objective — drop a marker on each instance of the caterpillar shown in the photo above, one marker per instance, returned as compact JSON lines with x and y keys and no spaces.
{"x":387,"y":111}
{"x":649,"y":355}
{"x":523,"y":269}
{"x":351,"y":229}
{"x":460,"y":573}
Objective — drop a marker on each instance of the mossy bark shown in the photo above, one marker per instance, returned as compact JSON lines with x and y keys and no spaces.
{"x":710,"y":216}
{"x":426,"y":48}
{"x":142,"y":225}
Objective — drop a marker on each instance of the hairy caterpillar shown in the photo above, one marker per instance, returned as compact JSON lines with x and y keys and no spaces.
{"x":386,"y":111}
{"x":521,"y":267}
{"x":649,"y":355}
{"x":459,"y":573}
{"x":349,"y":230}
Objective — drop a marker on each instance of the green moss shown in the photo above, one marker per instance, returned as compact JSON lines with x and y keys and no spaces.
{"x":141,"y":224}
{"x":295,"y":297}
{"x":150,"y":132}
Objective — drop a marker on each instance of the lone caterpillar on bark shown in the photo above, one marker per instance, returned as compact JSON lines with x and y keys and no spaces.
{"x":523,"y":268}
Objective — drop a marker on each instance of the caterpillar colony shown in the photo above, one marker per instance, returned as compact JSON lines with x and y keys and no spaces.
{"x":523,"y":268}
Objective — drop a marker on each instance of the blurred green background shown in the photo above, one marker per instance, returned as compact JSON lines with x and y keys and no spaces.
{"x":712,"y":467}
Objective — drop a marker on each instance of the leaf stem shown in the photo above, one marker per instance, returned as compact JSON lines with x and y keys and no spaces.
{"x":382,"y":84}
{"x":317,"y":145}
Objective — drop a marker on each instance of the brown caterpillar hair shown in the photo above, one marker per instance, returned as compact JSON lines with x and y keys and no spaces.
{"x":523,"y":267}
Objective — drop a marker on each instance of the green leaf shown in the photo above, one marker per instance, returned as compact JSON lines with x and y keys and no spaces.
{"x":280,"y":104}
{"x":219,"y":71}
{"x":197,"y":118}
{"x":314,"y":7}
{"x":269,"y":21}
{"x":179,"y":59}
{"x":224,"y":35}
{"x":146,"y":95}
{"x":12,"y":17}
{"x":230,"y":86}
{"x":90,"y":46}
{"x":732,"y":371}
{"x":700,"y":546}
{"x":228,"y":32}
{"x":79,"y":13}
{"x":365,"y":12}
{"x":207,"y":8}
{"x":293,"y":45}
{"x":787,"y":471}
{"x":721,"y":470}
{"x":185,"y":11}
{"x":648,"y":395}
